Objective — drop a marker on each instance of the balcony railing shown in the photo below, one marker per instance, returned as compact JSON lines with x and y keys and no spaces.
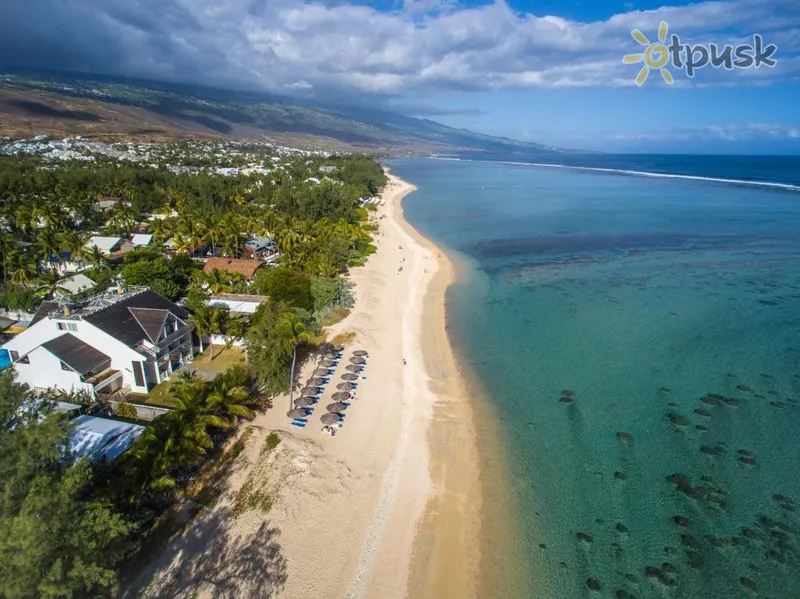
{"x":105,"y":378}
{"x":162,"y":351}
{"x":117,"y":395}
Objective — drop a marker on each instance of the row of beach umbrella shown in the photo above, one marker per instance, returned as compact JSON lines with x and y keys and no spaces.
{"x":330,"y":360}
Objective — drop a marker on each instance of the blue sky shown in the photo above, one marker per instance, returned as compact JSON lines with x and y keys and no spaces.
{"x":544,"y":71}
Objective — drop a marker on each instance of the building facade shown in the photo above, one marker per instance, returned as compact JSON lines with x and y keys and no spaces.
{"x":125,"y":340}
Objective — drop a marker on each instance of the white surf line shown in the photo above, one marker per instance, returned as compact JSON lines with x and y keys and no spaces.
{"x":597,"y":169}
{"x":391,"y":478}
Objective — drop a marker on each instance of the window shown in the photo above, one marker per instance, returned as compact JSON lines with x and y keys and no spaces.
{"x":67,"y":326}
{"x":14,"y":355}
{"x":65,"y":366}
{"x":24,"y":360}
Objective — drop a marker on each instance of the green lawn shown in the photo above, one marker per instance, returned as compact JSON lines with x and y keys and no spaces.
{"x":223,"y":359}
{"x":158,"y":395}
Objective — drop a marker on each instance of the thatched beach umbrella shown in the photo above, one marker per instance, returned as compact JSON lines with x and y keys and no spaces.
{"x":327,"y":363}
{"x":331,"y":418}
{"x":354,"y":368}
{"x":341,"y":395}
{"x":357,"y":360}
{"x":304,"y":402}
{"x":337,"y":348}
{"x":336,"y":406}
{"x":349,"y":376}
{"x":346,"y":386}
{"x":316,"y":382}
{"x":296,"y":413}
{"x":309,"y":390}
{"x":321,"y":372}
{"x":360,"y":353}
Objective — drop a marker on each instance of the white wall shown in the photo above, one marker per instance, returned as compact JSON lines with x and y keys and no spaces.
{"x":45,"y":371}
{"x":221,"y":340}
{"x":44,"y":330}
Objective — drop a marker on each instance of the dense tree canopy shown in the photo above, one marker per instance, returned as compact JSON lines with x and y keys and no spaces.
{"x":56,"y":539}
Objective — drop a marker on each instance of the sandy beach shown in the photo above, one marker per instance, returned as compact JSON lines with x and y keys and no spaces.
{"x":390,"y":506}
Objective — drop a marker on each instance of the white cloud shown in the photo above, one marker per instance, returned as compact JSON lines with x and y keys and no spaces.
{"x":421,"y":46}
{"x":730,"y":133}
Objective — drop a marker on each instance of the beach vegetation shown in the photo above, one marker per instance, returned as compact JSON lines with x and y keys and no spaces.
{"x":60,"y":539}
{"x":272,"y":441}
{"x":69,"y":524}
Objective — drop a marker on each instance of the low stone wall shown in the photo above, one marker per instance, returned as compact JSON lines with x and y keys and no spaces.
{"x":143,"y":411}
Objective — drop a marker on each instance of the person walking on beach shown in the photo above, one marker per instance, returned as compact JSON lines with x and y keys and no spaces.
{"x":404,"y":361}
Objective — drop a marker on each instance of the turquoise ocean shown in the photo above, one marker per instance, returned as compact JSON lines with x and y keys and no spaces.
{"x":639,"y":340}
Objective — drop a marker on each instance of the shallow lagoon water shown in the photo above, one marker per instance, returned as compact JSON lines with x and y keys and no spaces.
{"x":640,"y":339}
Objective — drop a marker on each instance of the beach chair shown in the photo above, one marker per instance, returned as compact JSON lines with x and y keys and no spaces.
{"x":298,"y":424}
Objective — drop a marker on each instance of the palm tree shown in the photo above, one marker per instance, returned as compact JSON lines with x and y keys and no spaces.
{"x":49,"y":282}
{"x":48,"y":246}
{"x":7,"y":246}
{"x":193,"y":416}
{"x":218,"y":281}
{"x":235,"y":329}
{"x":160,"y":230}
{"x":186,"y":377}
{"x":49,"y":214}
{"x":209,"y":224}
{"x":165,"y":446}
{"x":21,"y":267}
{"x":295,"y":333}
{"x":182,"y":244}
{"x":97,"y":258}
{"x":228,"y":402}
{"x":207,"y":321}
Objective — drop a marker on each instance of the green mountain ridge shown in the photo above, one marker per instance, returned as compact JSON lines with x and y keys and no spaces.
{"x":100,"y":106}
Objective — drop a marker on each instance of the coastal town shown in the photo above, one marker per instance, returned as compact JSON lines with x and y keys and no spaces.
{"x":163,"y":305}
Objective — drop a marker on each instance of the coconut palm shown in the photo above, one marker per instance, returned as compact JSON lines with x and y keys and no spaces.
{"x":161,"y":450}
{"x":120,"y":217}
{"x":97,"y":258}
{"x":207,"y":321}
{"x":186,"y":377}
{"x":21,"y":267}
{"x":218,"y":281}
{"x":235,"y":328}
{"x":294,"y":334}
{"x":48,"y":246}
{"x":49,"y":215}
{"x":48,"y":283}
{"x":183,"y":244}
{"x":228,"y":402}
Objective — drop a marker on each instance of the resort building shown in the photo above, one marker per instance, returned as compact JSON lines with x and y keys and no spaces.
{"x":121,"y":341}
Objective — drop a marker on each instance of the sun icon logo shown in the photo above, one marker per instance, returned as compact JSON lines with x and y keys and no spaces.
{"x":655,"y":55}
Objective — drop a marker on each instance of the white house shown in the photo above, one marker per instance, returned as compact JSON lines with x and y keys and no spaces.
{"x":108,"y":245}
{"x":120,"y":341}
{"x":76,"y":283}
{"x":141,"y":240}
{"x":236,"y":303}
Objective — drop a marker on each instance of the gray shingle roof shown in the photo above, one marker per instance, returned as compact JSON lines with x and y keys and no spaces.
{"x":76,"y":354}
{"x":120,"y":321}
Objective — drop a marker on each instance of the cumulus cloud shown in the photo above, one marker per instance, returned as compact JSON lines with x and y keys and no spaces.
{"x":338,"y":50}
